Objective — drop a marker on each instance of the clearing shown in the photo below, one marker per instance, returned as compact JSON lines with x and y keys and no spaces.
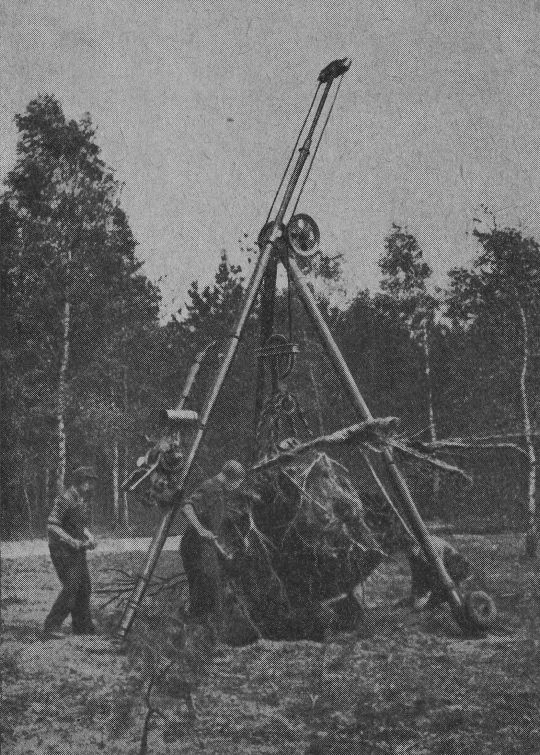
{"x":407,"y":683}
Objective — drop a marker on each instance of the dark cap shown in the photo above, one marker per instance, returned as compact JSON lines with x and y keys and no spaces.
{"x":84,"y":473}
{"x":233,"y":470}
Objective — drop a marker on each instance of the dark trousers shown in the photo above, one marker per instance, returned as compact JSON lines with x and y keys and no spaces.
{"x":74,"y":598}
{"x":203,"y":573}
{"x":425,"y":579}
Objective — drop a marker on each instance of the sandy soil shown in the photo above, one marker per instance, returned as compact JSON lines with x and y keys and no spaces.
{"x":404,"y":683}
{"x":39,"y":547}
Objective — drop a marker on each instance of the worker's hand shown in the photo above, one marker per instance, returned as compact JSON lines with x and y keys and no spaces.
{"x":87,"y":545}
{"x":91,"y":543}
{"x":207,"y":534}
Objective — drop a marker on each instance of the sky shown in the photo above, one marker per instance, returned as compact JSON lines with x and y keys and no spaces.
{"x":197,"y":106}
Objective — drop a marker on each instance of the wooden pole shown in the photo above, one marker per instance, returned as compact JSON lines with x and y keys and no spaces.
{"x":158,"y":541}
{"x":353,"y":393}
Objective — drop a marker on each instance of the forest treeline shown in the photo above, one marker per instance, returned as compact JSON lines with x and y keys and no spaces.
{"x":87,"y":362}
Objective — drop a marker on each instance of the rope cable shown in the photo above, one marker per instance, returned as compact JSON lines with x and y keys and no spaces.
{"x":318,"y":145}
{"x":292,"y":154}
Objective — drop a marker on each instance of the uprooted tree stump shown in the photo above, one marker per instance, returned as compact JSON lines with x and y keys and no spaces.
{"x":300,"y":546}
{"x":300,"y":543}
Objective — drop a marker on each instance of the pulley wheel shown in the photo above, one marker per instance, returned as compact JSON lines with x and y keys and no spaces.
{"x":303,"y":235}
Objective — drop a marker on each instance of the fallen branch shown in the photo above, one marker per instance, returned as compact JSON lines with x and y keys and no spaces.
{"x":463,"y":444}
{"x":373,"y":435}
{"x":410,"y":451}
{"x":376,"y":432}
{"x":114,"y":570}
{"x":118,"y":593}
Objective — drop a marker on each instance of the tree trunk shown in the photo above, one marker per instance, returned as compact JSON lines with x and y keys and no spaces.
{"x":431,"y":413}
{"x":123,"y":522}
{"x":11,"y":446}
{"x":44,"y":510}
{"x":116,"y":496}
{"x":36,"y":487}
{"x":143,"y":747}
{"x":28,"y":504}
{"x":531,"y":541}
{"x":62,"y":400}
{"x":124,"y":507}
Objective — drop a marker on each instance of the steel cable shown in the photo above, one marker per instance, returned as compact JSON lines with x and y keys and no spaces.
{"x":317,"y":146}
{"x":292,"y":154}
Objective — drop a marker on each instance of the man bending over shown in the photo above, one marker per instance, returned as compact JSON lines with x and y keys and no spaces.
{"x":205,"y":511}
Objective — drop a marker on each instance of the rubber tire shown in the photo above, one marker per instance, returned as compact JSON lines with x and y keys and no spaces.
{"x":480,"y":609}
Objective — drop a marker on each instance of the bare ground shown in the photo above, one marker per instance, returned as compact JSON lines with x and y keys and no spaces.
{"x":404,"y":683}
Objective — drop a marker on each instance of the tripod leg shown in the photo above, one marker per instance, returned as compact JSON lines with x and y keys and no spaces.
{"x":351,"y":390}
{"x":158,"y":541}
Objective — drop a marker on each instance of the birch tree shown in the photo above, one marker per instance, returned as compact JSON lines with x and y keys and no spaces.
{"x":10,"y":337}
{"x":405,"y":279}
{"x":63,"y":197}
{"x":80,"y":295}
{"x":503,"y":284}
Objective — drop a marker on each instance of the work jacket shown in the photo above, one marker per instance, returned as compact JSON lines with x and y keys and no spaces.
{"x":68,"y":519}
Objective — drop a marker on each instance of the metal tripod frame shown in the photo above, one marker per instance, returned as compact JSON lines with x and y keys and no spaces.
{"x":272,"y":251}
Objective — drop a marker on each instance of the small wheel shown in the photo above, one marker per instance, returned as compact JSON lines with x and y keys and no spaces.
{"x":480,"y":609}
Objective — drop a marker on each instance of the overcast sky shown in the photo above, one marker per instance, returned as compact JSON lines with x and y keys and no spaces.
{"x":197,"y":106}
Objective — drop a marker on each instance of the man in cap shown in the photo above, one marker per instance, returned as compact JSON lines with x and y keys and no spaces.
{"x":205,"y":510}
{"x":69,"y":539}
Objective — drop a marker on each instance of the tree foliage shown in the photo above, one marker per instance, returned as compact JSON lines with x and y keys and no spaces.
{"x":405,"y":278}
{"x":501,"y":290}
{"x":77,"y":301}
{"x":70,"y":277}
